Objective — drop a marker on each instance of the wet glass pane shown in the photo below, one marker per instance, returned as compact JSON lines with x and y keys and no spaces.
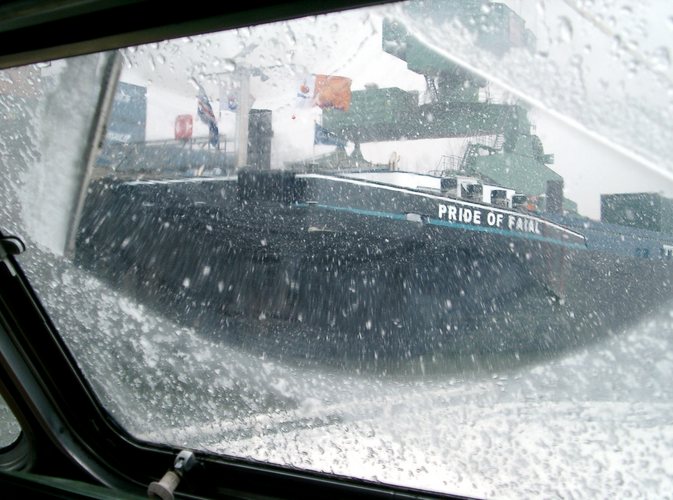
{"x":425,"y":243}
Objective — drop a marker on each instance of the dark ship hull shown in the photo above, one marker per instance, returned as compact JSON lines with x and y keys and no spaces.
{"x":326,"y":267}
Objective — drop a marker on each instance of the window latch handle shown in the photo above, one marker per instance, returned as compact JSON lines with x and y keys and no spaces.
{"x":10,"y":246}
{"x":165,"y":487}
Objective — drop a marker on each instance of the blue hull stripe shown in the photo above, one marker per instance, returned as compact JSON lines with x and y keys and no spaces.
{"x":443,"y":223}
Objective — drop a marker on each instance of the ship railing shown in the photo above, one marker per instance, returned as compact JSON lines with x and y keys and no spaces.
{"x":447,"y":165}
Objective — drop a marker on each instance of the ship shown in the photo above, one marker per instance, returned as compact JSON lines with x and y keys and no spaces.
{"x":341,"y":259}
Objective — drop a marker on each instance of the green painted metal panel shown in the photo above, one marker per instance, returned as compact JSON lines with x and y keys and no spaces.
{"x":522,"y":169}
{"x":495,"y":28}
{"x":642,"y":210}
{"x":392,"y":114}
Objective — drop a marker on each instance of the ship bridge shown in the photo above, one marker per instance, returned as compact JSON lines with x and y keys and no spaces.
{"x":514,"y":158}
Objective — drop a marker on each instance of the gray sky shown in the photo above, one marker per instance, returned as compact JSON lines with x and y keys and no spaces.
{"x":622,"y":89}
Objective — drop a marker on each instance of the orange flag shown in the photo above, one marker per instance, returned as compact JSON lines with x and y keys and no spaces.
{"x":332,"y":92}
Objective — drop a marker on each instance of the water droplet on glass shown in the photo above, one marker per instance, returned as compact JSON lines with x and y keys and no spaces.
{"x":565,"y":32}
{"x":661,"y":59}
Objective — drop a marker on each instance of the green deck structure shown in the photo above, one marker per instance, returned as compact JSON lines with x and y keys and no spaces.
{"x":516,"y":158}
